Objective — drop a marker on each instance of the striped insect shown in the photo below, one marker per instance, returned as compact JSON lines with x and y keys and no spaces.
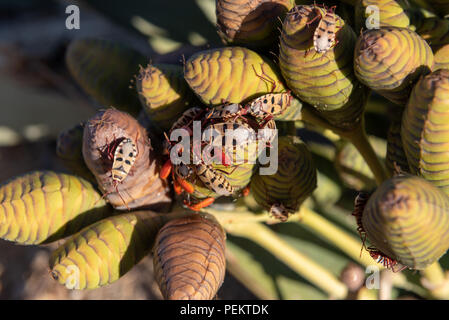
{"x":225,"y":112}
{"x":269,"y":105}
{"x":324,"y":35}
{"x":227,"y":137}
{"x":125,"y":153}
{"x":213,"y":180}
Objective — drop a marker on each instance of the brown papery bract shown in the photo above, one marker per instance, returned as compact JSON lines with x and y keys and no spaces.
{"x":189,"y":258}
{"x":142,"y":188}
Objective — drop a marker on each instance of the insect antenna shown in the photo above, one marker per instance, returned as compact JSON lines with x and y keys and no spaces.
{"x":265,"y":77}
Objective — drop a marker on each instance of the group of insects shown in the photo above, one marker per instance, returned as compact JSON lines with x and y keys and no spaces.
{"x":257,"y":114}
{"x":121,"y":153}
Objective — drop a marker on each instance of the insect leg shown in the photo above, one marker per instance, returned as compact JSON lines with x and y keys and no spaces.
{"x":202,"y":204}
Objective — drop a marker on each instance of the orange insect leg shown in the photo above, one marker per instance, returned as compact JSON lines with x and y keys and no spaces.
{"x":166,"y":169}
{"x":245,"y":191}
{"x":185,"y":185}
{"x":177,"y":187}
{"x":202,"y":204}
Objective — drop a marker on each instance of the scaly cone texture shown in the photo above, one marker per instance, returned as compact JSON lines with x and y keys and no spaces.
{"x":164,"y":93}
{"x":104,"y":70}
{"x":390,"y":60}
{"x":392,"y":13}
{"x":407,"y":219}
{"x":353,"y":169}
{"x":324,"y":80}
{"x":425,"y":129}
{"x":434,"y":30}
{"x":45,"y":206}
{"x":231,"y":74}
{"x":442,"y":58}
{"x":396,"y":158}
{"x":142,"y":187}
{"x":69,"y":148}
{"x":103,"y":252}
{"x":250,"y":22}
{"x":294,"y":180}
{"x":189,"y":258}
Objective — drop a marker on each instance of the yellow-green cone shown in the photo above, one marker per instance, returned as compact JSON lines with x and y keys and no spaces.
{"x":105,"y":70}
{"x":407,"y":219}
{"x":294,"y":180}
{"x":324,"y":80}
{"x":189,"y":258}
{"x":103,"y":252}
{"x":390,"y":60}
{"x":442,"y":58}
{"x":250,"y":22}
{"x":425,"y":126}
{"x":392,"y":13}
{"x":164,"y":93}
{"x":231,"y":74}
{"x":434,"y":30}
{"x":44,"y":206}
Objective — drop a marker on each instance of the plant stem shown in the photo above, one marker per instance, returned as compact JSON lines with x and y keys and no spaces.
{"x":359,"y":139}
{"x":436,"y":281}
{"x":342,"y":240}
{"x":298,"y":262}
{"x":327,"y":230}
{"x":357,"y":136}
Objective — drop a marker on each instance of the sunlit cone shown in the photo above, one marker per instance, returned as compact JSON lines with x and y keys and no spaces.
{"x":325,"y":80}
{"x":442,"y":6}
{"x":231,"y":74}
{"x":391,"y":13}
{"x":407,"y":220}
{"x":164,"y":93}
{"x":69,"y":147}
{"x":45,"y":206}
{"x":425,"y":128}
{"x":434,"y":30}
{"x":189,"y":258}
{"x":104,"y":70}
{"x":250,"y":22}
{"x":103,"y":252}
{"x":396,"y":160}
{"x":294,"y":180}
{"x":142,"y":187}
{"x":353,"y":169}
{"x":390,"y":60}
{"x":442,"y":58}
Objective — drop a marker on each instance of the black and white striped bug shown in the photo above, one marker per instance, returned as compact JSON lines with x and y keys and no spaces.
{"x":269,"y":105}
{"x":324,"y":35}
{"x":124,"y":158}
{"x":214,"y":180}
